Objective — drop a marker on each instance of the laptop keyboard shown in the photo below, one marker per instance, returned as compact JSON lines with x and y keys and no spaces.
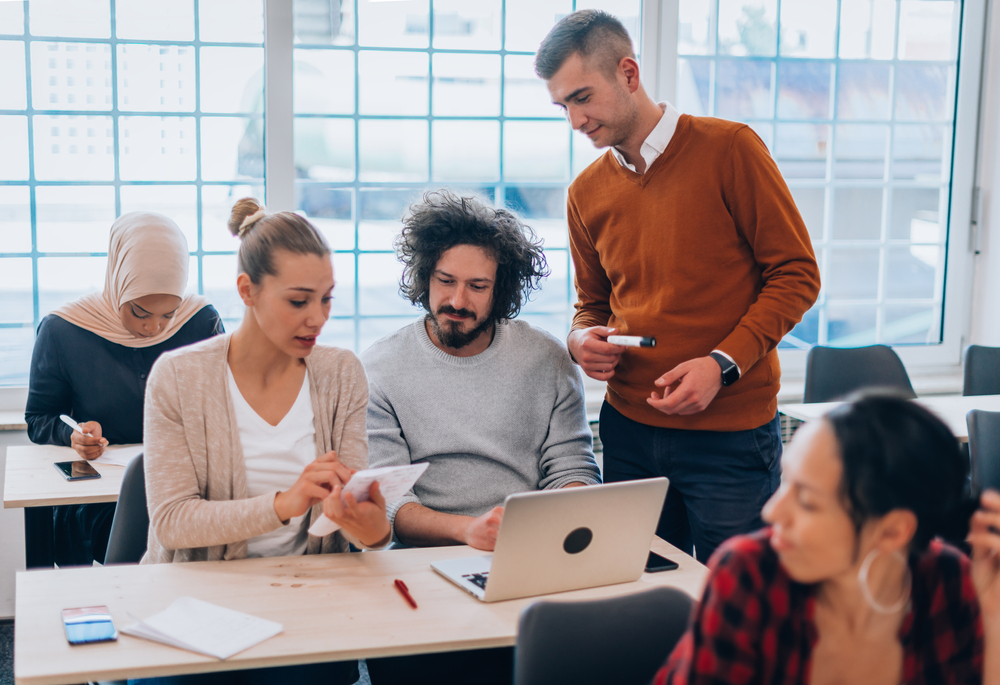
{"x":477,"y":578}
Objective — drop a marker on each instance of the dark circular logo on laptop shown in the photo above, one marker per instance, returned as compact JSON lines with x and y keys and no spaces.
{"x":578,"y":540}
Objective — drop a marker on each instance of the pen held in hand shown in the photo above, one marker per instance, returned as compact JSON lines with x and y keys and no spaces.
{"x":632,"y":340}
{"x":405,"y":591}
{"x":75,"y":426}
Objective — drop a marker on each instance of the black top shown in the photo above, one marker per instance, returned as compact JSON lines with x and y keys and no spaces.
{"x":76,"y":372}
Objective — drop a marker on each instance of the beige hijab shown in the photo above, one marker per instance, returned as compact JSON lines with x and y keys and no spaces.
{"x":148,"y":255}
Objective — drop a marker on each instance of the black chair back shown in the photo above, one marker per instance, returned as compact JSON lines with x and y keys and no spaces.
{"x":834,"y":372}
{"x":984,"y":448}
{"x":982,"y":370}
{"x":130,"y":527}
{"x":621,"y":640}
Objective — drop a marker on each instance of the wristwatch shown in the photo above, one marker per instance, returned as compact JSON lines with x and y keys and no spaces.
{"x":730,"y":371}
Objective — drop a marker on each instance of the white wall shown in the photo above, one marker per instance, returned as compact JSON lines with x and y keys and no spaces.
{"x":11,"y":531}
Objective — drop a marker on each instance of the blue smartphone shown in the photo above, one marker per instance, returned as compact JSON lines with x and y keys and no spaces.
{"x":89,"y":624}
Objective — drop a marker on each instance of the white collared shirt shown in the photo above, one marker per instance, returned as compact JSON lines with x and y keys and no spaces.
{"x":657,"y":140}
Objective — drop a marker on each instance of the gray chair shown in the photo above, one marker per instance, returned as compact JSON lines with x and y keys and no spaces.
{"x":130,"y":527}
{"x":834,"y":372}
{"x":984,"y":448}
{"x":621,"y":640}
{"x":982,"y":370}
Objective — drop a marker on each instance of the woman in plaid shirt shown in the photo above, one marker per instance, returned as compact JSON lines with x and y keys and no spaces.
{"x":849,"y":583}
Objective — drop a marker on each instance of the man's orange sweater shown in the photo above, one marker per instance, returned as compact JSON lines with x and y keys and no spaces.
{"x":706,"y":251}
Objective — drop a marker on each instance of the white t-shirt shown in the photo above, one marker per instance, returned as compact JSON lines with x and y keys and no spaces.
{"x":275,"y":457}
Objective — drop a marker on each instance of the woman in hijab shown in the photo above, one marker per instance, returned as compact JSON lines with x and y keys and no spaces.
{"x":92,"y":357}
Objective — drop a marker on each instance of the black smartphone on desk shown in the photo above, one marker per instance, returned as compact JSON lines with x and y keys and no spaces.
{"x":89,"y":624}
{"x":655,"y":563}
{"x":77,"y":470}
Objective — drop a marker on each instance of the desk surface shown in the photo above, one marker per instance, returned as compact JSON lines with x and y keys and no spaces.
{"x":951,"y":408}
{"x":333,"y":607}
{"x":31,"y":480}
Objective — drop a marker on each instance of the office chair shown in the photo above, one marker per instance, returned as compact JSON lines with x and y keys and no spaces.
{"x":984,"y":448}
{"x":130,"y":526}
{"x":620,"y":640}
{"x":833,"y":372}
{"x":982,"y":370}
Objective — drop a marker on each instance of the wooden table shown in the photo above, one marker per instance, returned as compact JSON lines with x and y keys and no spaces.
{"x":333,"y":607}
{"x":950,"y":408}
{"x":32,"y":482}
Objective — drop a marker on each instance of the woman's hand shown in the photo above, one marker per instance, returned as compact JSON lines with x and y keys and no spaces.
{"x":313,"y":486}
{"x":366,"y":521}
{"x":984,"y":536}
{"x":89,"y":446}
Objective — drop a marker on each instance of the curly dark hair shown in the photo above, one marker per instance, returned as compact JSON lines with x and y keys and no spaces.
{"x":444,"y":220}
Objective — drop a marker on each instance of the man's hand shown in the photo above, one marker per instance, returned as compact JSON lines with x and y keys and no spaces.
{"x":89,"y":446}
{"x":592,"y":351}
{"x":482,"y":532}
{"x":698,"y":382}
{"x":366,"y":520}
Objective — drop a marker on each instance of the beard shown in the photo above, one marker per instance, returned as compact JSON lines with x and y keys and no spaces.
{"x":624,"y":124}
{"x":451,"y":334}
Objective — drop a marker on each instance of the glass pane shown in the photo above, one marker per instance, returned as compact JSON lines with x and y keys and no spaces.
{"x":525,"y":95}
{"x":860,"y":151}
{"x":73,"y":148}
{"x":694,"y":86}
{"x":16,"y":300}
{"x":393,"y":82}
{"x":71,"y":76}
{"x":695,"y":28}
{"x":850,"y":326}
{"x":867,"y":29}
{"x":529,"y":21}
{"x":12,"y":18}
{"x":338,"y":332}
{"x":460,"y":24}
{"x":910,"y":324}
{"x":158,"y":149}
{"x":324,"y":149}
{"x":62,"y":279}
{"x":324,"y":82}
{"x":554,"y":293}
{"x":231,"y":148}
{"x":852,"y":274}
{"x":180,"y":203}
{"x":765,"y":132}
{"x":453,"y":143}
{"x":378,"y":285}
{"x":343,"y":292}
{"x":154,"y":21}
{"x":74,"y":218}
{"x":393,"y":150}
{"x":78,"y":19}
{"x":928,"y":29}
{"x":219,"y":280}
{"x":536,"y":150}
{"x":863,"y":91}
{"x":216,"y":204}
{"x":329,"y":209}
{"x":916,"y":215}
{"x":231,"y":21}
{"x":467,"y":85}
{"x":800,"y":149}
{"x":811,"y":203}
{"x":12,"y":79}
{"x":918,"y":152}
{"x":15,"y":218}
{"x":16,"y":345}
{"x":381,"y":212}
{"x":857,"y":214}
{"x":584,"y":152}
{"x":924,"y":92}
{"x":372,"y":330}
{"x":14,"y":148}
{"x":156,"y":78}
{"x":232,"y":79}
{"x":323,"y":22}
{"x":808,"y":29}
{"x":401,"y":24}
{"x":804,"y":90}
{"x":911,"y":272}
{"x":544,"y":210}
{"x":743,"y":89}
{"x":747,"y":27}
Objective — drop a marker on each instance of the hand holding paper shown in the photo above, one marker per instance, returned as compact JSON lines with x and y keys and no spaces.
{"x":394,"y":482}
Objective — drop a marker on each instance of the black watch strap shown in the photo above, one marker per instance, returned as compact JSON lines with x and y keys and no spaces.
{"x":730,"y":371}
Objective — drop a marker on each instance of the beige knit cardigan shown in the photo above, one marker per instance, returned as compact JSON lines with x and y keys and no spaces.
{"x":196,"y":484}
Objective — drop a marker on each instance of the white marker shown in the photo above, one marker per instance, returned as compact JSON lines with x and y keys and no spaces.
{"x":632,"y":340}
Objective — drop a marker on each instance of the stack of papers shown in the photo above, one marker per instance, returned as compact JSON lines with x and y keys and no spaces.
{"x":393,"y":481}
{"x":204,"y":628}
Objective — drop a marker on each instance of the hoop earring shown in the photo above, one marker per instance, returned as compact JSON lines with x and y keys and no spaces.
{"x":867,"y":593}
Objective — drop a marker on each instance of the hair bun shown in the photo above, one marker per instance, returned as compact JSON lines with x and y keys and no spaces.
{"x":244,"y":209}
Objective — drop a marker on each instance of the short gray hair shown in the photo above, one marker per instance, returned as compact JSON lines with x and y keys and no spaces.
{"x":591,"y":34}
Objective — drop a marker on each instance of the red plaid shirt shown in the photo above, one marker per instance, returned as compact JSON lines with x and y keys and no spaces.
{"x":755,"y":624}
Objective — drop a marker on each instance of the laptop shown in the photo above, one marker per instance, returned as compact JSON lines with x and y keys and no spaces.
{"x":567,"y":539}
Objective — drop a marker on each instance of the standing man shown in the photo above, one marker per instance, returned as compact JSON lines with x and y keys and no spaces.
{"x":684,"y":231}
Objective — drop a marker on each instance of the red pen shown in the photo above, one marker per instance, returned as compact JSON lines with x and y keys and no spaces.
{"x":405,"y":591}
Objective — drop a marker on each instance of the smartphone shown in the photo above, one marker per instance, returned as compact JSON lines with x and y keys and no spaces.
{"x":77,"y":470}
{"x":89,"y":624}
{"x":654,"y":563}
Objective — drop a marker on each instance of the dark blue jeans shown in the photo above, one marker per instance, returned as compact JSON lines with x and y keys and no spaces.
{"x":719,"y":481}
{"x":335,"y":673}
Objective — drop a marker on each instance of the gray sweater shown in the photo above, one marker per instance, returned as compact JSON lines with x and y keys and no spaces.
{"x":510,"y":419}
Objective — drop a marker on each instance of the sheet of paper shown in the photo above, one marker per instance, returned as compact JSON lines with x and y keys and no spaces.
{"x":205,"y":628}
{"x":119,"y":455}
{"x":394,"y":481}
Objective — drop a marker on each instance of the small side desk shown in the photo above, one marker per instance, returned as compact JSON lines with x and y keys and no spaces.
{"x":333,"y":607}
{"x":32,"y":482}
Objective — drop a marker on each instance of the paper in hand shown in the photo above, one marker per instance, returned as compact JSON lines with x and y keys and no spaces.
{"x":394,"y":481}
{"x":119,"y":455}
